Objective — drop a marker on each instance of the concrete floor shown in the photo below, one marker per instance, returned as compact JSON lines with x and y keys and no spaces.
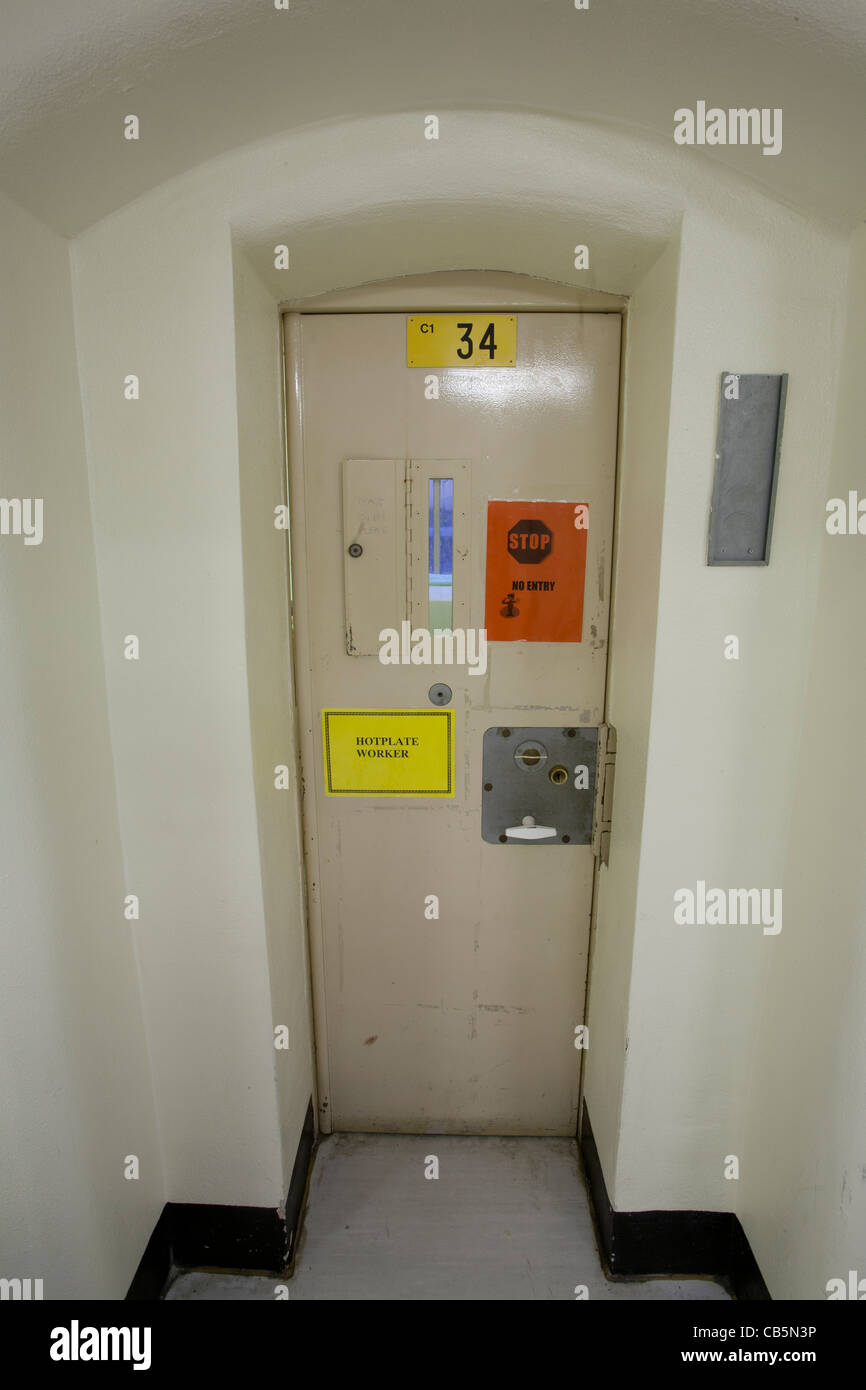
{"x":506,"y":1219}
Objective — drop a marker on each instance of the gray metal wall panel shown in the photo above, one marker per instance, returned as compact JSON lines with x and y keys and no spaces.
{"x":747,"y":463}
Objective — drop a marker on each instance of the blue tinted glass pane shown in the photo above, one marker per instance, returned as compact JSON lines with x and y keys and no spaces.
{"x":446,"y":525}
{"x":440,"y":550}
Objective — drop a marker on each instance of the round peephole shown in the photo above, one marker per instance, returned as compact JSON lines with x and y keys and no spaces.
{"x":530,"y":755}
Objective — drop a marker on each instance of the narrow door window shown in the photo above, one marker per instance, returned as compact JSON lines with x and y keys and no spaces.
{"x":440,"y":553}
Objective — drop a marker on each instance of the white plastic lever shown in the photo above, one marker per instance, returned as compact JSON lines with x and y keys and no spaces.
{"x":530,"y":831}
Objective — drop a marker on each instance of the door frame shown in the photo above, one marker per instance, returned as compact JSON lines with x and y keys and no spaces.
{"x":441,"y":291}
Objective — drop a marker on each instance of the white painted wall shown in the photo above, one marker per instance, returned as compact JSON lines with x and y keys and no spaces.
{"x":803,"y":1186}
{"x":207,"y":78}
{"x":180,"y":289}
{"x":645,"y":410}
{"x":74,"y":1073}
{"x":262,"y":459}
{"x":759,"y":290}
{"x":157,"y":300}
{"x":179,"y":492}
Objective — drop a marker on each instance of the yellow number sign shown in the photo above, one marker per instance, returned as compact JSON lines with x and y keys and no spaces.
{"x":388,"y":752}
{"x":461,"y":340}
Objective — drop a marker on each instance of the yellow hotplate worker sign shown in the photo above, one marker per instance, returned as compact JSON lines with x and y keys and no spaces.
{"x":461,"y":340}
{"x":388,"y":752}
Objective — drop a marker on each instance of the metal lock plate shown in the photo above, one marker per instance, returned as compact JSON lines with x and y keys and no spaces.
{"x":544,"y":774}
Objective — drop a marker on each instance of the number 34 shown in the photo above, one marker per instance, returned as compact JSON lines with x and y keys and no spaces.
{"x":487,"y":343}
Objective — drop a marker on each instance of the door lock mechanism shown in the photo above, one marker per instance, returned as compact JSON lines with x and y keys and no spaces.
{"x":539,"y":786}
{"x":530,"y":831}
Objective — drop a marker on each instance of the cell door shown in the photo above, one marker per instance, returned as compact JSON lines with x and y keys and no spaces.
{"x":447,"y":807}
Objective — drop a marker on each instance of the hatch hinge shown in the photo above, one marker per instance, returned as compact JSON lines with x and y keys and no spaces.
{"x":605,"y":769}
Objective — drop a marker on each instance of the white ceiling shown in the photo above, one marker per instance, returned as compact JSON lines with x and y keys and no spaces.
{"x":206,"y":76}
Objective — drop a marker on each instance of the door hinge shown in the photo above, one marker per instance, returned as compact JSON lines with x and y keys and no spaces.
{"x":605,"y":768}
